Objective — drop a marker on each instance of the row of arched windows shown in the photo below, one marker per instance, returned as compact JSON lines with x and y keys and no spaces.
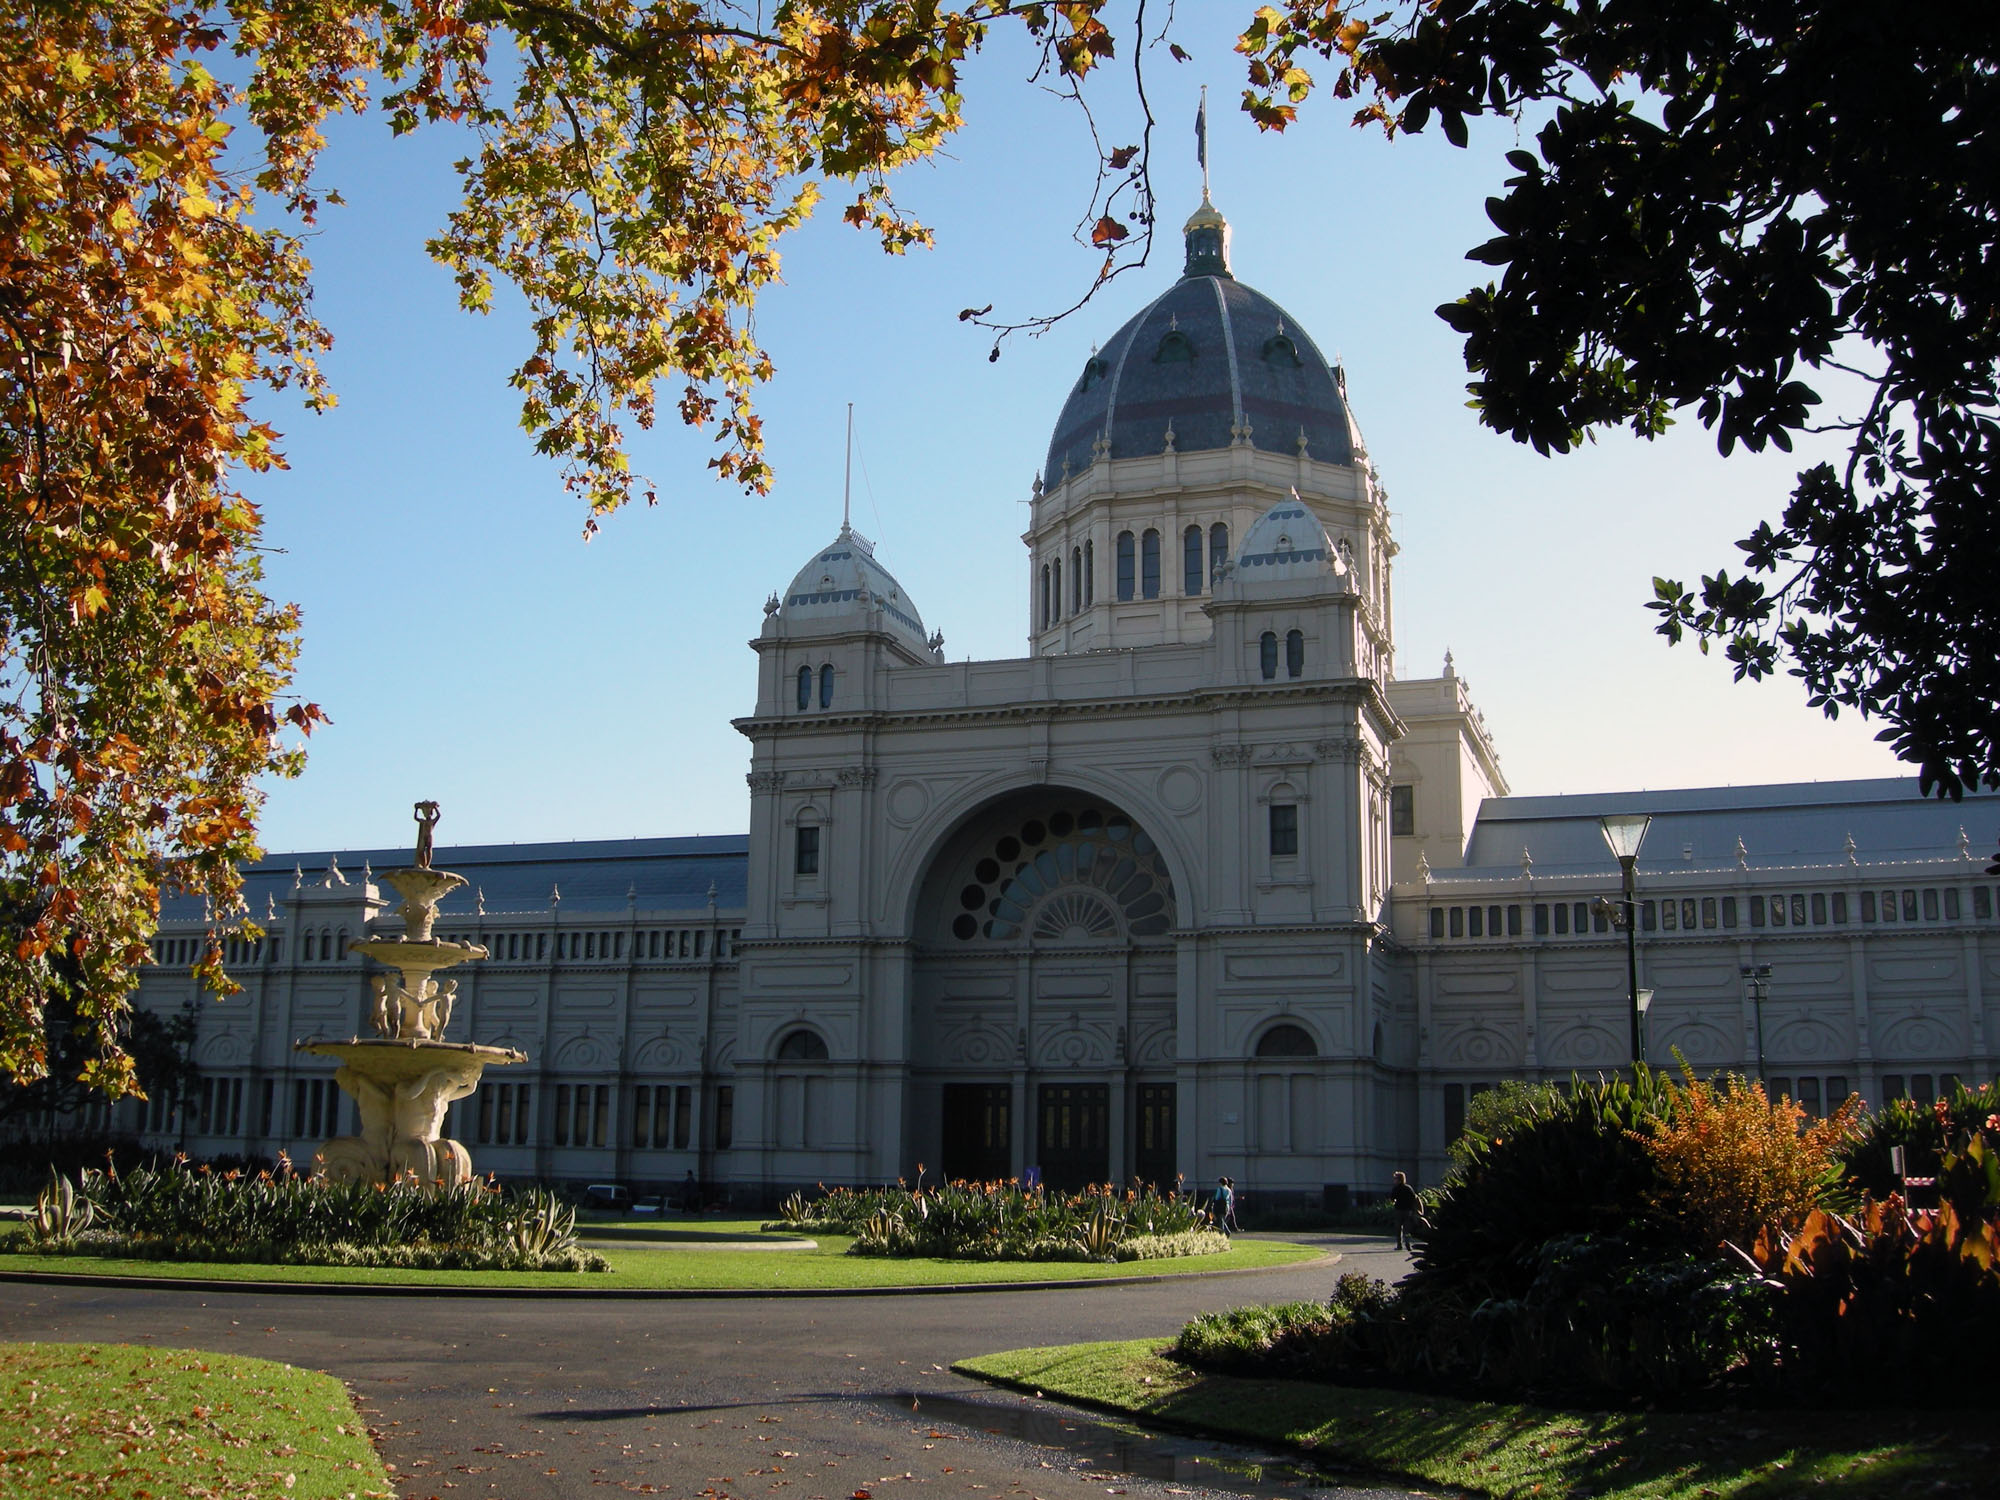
{"x":1267,"y":654}
{"x":1082,"y":584}
{"x":825,"y":687}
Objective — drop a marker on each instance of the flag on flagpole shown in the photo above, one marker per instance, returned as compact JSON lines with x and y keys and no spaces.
{"x":1201,"y":132}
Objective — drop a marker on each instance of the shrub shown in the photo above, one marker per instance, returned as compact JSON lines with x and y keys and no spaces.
{"x":1923,"y":1130}
{"x":1574,"y":1165}
{"x":1496,"y":1113}
{"x":285,"y":1217}
{"x":1732,"y":1162}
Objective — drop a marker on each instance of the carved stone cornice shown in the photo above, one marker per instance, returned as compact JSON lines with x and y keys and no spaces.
{"x":1232,"y":755}
{"x":765,"y":781}
{"x":858,"y":775}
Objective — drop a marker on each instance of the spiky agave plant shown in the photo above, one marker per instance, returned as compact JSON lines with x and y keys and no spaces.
{"x":61,"y":1212}
{"x":1103,"y":1232}
{"x":545,"y":1225}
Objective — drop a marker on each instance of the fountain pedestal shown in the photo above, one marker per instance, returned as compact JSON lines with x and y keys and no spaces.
{"x":404,"y":1080}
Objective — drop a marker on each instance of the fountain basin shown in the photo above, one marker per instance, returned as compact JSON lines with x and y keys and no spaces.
{"x":402,"y":1089}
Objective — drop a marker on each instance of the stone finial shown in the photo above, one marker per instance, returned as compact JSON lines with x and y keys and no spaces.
{"x":711,"y":895}
{"x":1527,"y":863}
{"x":1423,"y":867}
{"x":1964,"y":843}
{"x":1742,"y":854}
{"x":333,"y":875}
{"x":771,"y":605}
{"x":632,"y":894}
{"x":270,"y":906}
{"x":1848,"y":848}
{"x":1169,"y":448}
{"x":1449,"y":669}
{"x":1302,"y":442}
{"x":1035,"y":489}
{"x":555,"y":896}
{"x":479,"y":900}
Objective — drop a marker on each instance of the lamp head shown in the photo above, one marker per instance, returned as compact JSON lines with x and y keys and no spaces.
{"x":1645,"y":1001}
{"x":1625,"y":832}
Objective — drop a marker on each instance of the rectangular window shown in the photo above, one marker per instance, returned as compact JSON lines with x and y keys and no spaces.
{"x":1982,"y":902}
{"x":1778,"y":1088}
{"x":1670,"y":915}
{"x":1777,"y":911}
{"x":523,"y":1097}
{"x":562,"y":1114}
{"x":1437,"y":921}
{"x":1708,"y":912}
{"x":1562,"y":918}
{"x":1819,"y":909}
{"x":1402,"y":810}
{"x":1840,"y":906}
{"x":1836,"y":1092}
{"x":1687,"y":915}
{"x":1541,"y":919}
{"x":1809,"y":1096}
{"x":1475,"y":921}
{"x":266,"y":1106}
{"x":725,"y":1117}
{"x":1598,"y":922}
{"x":1513,"y":921}
{"x":1285,"y":830}
{"x":682,"y":1097}
{"x":642,"y":1116}
{"x":805,"y":861}
{"x":600,"y":1120}
{"x":485,"y":1130}
{"x":1867,"y":906}
{"x":662,"y":1106}
{"x":590,"y":945}
{"x":1582,"y":915}
{"x":1728,"y":911}
{"x":1458,"y":921}
{"x":1892,"y":1087}
{"x":1909,"y":906}
{"x":1930,"y":905}
{"x":1756,"y":911}
{"x":701,"y":944}
{"x":1920,"y":1088}
{"x":1454,"y":1111}
{"x":507,"y":1125}
{"x":1149,"y":565}
{"x":1951,"y":907}
{"x":1649,"y":915}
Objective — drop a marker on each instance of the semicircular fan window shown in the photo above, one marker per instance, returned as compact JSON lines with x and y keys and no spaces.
{"x":1073,"y":915}
{"x":1092,"y":856}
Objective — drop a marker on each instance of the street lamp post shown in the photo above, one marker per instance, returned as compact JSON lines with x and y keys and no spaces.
{"x":1625,"y":832}
{"x":1758,"y":978}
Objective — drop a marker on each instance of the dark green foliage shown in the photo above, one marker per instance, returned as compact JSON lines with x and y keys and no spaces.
{"x":1733,"y":204}
{"x":1914,"y":1124}
{"x":1571,"y":1167}
{"x":1495,"y":1113}
{"x":1004,"y":1221}
{"x":179,"y":1213}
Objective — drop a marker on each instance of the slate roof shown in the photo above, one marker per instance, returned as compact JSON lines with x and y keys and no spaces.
{"x":831,"y":584}
{"x":1798,"y":823}
{"x":669,"y":874}
{"x":1248,"y":361}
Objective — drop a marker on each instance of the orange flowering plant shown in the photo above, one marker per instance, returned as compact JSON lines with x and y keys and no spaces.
{"x":1733,"y":1162}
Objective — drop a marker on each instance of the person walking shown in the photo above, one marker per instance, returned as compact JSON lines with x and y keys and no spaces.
{"x":1225,"y":1205}
{"x":1409,"y":1212}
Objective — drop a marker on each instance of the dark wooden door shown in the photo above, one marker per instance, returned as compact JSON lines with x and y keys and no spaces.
{"x":1074,"y":1135}
{"x":978,"y":1132}
{"x":1153,"y":1135}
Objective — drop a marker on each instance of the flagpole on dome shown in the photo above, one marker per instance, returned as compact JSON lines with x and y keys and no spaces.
{"x":1201,"y":140}
{"x":847,"y":478}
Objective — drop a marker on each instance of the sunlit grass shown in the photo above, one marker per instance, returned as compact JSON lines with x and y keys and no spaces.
{"x":115,"y":1419}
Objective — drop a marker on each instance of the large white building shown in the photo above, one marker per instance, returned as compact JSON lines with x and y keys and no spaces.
{"x":1196,"y":886}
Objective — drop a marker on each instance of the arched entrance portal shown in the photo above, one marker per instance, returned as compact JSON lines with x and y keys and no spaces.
{"x":1044,"y":996}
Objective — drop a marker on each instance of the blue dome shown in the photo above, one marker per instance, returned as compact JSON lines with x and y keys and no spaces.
{"x":1207,"y":355}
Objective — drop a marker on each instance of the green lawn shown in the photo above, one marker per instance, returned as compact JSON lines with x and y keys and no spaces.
{"x":1524,"y":1451}
{"x":119,"y":1420}
{"x":638,"y":1267}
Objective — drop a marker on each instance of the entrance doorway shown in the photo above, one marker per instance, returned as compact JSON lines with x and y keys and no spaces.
{"x":1074,"y":1137}
{"x":1153,"y":1154}
{"x":978,"y":1132}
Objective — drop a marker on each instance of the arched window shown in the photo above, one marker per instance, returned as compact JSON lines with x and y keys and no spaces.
{"x":1267,"y":655}
{"x":1176,"y":348}
{"x":1287,"y":1040}
{"x":1089,"y":574}
{"x":1218,"y":546}
{"x":802,"y":1045}
{"x":1075,"y":579}
{"x":1149,"y":564}
{"x":1055,"y":595}
{"x":1191,"y":561}
{"x":340,"y":946}
{"x":826,"y":686}
{"x":307,"y":954}
{"x":1125,"y":568}
{"x":1295,"y":653}
{"x":325,"y":945}
{"x":805,"y":687}
{"x":1045,"y":597}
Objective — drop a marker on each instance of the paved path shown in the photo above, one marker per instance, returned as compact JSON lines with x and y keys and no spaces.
{"x":797,"y":1398}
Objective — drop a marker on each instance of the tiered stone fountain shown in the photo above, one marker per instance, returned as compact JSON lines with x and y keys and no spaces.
{"x":405,"y":1078}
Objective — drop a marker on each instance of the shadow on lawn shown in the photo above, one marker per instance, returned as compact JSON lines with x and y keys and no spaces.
{"x":1748,"y":1456}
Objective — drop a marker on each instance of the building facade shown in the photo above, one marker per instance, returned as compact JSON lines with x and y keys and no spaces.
{"x":1197,"y":886}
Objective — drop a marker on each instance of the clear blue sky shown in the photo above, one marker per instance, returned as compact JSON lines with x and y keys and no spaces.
{"x":470,"y":647}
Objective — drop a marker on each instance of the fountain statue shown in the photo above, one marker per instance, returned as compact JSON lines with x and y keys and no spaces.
{"x":403,"y":1079}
